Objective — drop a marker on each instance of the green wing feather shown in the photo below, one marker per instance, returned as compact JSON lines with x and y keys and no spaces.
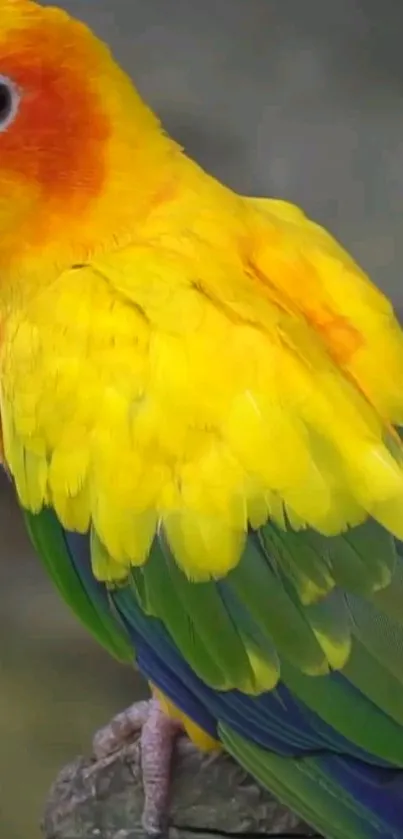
{"x":297,"y":606}
{"x":251,"y":628}
{"x":303,"y":787}
{"x":48,"y":540}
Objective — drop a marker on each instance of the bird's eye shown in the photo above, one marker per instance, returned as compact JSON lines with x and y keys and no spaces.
{"x":9,"y":102}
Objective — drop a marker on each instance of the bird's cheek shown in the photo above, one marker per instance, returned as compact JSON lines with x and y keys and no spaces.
{"x":19,"y":206}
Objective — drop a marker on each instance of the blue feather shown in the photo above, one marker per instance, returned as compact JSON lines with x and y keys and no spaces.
{"x":274,"y":720}
{"x":277,"y":722}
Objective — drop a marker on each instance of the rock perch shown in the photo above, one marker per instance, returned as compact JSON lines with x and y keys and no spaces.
{"x":211,"y":797}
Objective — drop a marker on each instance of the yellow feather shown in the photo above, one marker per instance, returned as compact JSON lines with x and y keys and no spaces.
{"x":203,"y":546}
{"x":104,"y":567}
{"x":177,"y":356}
{"x":73,"y":512}
{"x":199,"y":738}
{"x":337,"y":650}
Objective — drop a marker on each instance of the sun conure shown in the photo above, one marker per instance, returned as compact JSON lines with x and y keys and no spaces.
{"x":200,"y":398}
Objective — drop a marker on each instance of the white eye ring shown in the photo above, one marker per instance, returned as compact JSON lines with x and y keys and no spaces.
{"x":9,"y":102}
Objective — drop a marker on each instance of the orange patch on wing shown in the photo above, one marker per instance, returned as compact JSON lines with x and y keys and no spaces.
{"x":58,"y":138}
{"x":340,"y":336}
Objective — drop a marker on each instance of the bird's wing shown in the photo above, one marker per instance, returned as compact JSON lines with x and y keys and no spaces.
{"x":152,"y":419}
{"x":88,"y":600}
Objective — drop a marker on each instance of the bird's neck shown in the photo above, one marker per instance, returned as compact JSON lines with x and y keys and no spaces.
{"x":140,"y":177}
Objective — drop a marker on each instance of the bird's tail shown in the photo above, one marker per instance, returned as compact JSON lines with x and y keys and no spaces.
{"x":340,"y":796}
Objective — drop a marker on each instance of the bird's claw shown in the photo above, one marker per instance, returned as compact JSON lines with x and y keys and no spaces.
{"x":158,"y":733}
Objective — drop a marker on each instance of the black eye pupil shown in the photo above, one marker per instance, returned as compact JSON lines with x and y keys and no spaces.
{"x":6,"y":102}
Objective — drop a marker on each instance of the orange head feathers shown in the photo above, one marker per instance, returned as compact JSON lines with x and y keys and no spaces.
{"x":73,"y":131}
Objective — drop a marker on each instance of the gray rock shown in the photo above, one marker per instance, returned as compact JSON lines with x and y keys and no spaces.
{"x":211,"y":796}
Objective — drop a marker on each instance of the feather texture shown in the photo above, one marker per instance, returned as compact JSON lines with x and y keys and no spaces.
{"x":328,"y":745}
{"x":126,"y":424}
{"x":200,"y":394}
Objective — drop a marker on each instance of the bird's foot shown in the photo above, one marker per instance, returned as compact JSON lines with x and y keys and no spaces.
{"x":158,"y":733}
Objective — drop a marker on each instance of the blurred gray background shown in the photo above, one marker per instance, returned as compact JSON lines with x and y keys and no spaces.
{"x":301,"y":99}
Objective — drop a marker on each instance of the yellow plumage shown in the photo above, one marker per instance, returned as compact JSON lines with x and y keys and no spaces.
{"x":199,"y":737}
{"x":208,"y":362}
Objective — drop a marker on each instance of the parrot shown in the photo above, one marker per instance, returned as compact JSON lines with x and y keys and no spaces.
{"x":201,"y":402}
